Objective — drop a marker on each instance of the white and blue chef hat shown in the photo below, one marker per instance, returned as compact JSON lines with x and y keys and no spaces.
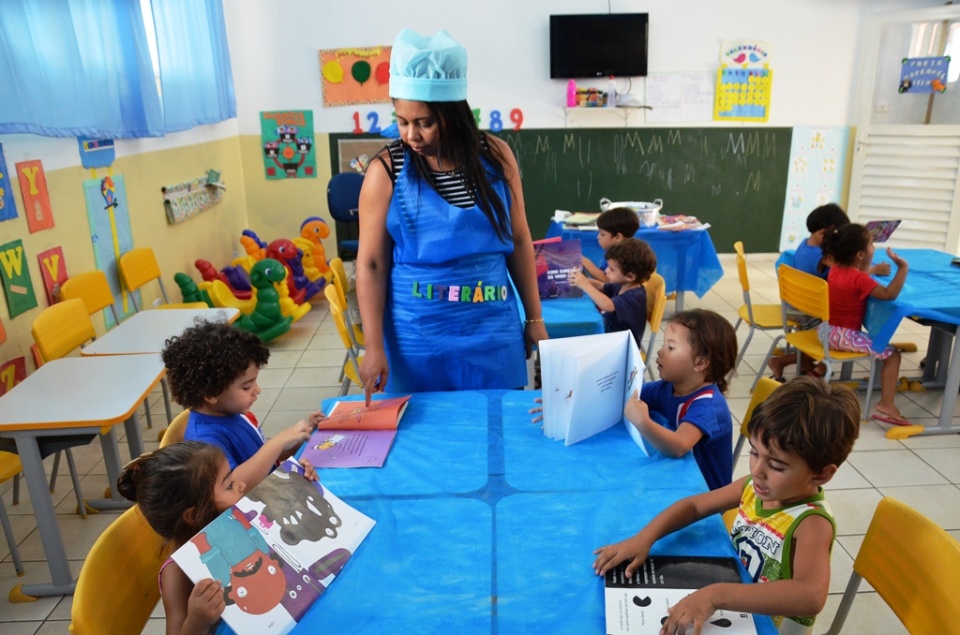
{"x":428,"y":68}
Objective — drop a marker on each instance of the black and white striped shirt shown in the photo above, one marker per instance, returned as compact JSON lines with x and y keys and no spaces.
{"x":450,"y":185}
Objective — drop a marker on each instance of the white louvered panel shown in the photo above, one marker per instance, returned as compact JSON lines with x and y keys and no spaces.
{"x":910,"y":173}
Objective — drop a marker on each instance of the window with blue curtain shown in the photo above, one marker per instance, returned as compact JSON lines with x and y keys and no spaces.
{"x":82,"y":67}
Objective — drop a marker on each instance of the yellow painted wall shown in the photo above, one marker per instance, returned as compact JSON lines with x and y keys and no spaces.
{"x":212,"y":235}
{"x":276,"y":208}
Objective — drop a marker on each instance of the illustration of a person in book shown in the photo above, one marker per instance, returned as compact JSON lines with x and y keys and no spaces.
{"x":239,"y":558}
{"x":330,"y":443}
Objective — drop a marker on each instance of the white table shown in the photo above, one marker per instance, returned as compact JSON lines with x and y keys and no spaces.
{"x":148,"y":332}
{"x":70,"y":397}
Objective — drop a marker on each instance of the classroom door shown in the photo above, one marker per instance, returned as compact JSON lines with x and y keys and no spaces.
{"x":906,"y":159}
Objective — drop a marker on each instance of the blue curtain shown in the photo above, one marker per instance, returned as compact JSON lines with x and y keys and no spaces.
{"x":76,"y":67}
{"x":195,"y":73}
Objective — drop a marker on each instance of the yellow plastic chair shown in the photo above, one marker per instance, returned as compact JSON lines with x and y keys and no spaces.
{"x":763,"y":317}
{"x":10,"y":468}
{"x":810,"y":294}
{"x":764,"y":388}
{"x":59,"y":330}
{"x":117,"y":588}
{"x":138,"y":267}
{"x":656,"y":305}
{"x":175,"y":431}
{"x":93,"y":288}
{"x":342,"y":286}
{"x":913,"y":564}
{"x":351,"y":365}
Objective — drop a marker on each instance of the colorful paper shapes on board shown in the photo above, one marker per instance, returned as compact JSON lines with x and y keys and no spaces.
{"x":109,"y":192}
{"x":8,"y":207}
{"x":96,"y":153}
{"x":924,"y":74}
{"x":360,"y":71}
{"x":53,"y":269}
{"x":383,"y":72}
{"x":36,"y":198}
{"x":333,"y":72}
{"x":15,"y":274}
{"x":287,"y":139}
{"x":12,"y":373}
{"x":360,"y":163}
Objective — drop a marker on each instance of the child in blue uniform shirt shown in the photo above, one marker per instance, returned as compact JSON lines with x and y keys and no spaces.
{"x":212,"y":369}
{"x":685,"y":411}
{"x":622,"y":300}
{"x":613,"y":227}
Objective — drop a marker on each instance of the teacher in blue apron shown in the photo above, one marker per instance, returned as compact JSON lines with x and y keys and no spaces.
{"x":445,"y":249}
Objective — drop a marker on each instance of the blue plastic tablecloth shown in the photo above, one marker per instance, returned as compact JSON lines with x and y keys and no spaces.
{"x":514,"y":554}
{"x":687,"y":260}
{"x":568,"y":317}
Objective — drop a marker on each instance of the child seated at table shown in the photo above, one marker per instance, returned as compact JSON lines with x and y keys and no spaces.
{"x":686,"y":411}
{"x":784,"y":530}
{"x":809,"y":259}
{"x":623,"y":299}
{"x":212,"y":369}
{"x":180,"y":489}
{"x":613,"y":226}
{"x":850,"y":247}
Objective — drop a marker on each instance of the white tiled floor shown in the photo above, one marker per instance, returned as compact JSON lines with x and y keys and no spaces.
{"x":303,"y":369}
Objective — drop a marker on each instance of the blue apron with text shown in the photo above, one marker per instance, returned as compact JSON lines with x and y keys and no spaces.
{"x":451,"y":320}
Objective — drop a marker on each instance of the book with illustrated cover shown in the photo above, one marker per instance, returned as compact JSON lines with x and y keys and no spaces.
{"x":276,"y":551}
{"x":356,"y":435}
{"x":638,"y":604}
{"x":881,"y":230}
{"x":556,"y":261}
{"x":587,"y":381}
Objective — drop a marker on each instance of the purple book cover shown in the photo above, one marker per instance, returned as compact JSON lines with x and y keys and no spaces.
{"x":556,"y":262}
{"x":881,"y":230}
{"x":348,"y":448}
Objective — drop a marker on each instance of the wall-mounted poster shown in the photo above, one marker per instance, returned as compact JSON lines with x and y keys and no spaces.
{"x":12,"y":373}
{"x":17,"y":285}
{"x":53,"y":268}
{"x":355,"y":75}
{"x":109,"y":220}
{"x":744,"y":81}
{"x":924,"y":74}
{"x":288,"y":144}
{"x":36,"y":199}
{"x":8,"y":208}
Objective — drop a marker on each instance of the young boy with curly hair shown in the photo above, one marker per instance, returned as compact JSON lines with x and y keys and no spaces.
{"x":613,"y":227}
{"x":784,"y":530}
{"x":212,"y":369}
{"x":622,"y":300}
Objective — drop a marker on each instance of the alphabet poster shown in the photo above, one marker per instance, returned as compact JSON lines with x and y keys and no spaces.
{"x":355,"y":75}
{"x":109,"y":220}
{"x":8,"y":209}
{"x":54,"y":271}
{"x":12,"y":373}
{"x":17,"y":285}
{"x":36,"y":199}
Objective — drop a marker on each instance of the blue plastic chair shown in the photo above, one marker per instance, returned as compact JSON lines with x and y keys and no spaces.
{"x":343,"y":200}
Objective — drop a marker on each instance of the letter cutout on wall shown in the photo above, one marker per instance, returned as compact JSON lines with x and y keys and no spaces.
{"x":17,"y":285}
{"x":36,"y":199}
{"x":8,"y":208}
{"x":53,"y":269}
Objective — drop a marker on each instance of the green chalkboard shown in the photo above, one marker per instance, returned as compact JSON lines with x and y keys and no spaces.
{"x":733,"y":178}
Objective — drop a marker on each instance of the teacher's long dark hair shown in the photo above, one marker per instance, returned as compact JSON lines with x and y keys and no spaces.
{"x":460,"y":144}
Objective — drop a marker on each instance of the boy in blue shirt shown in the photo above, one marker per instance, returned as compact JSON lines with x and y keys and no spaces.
{"x":212,"y":369}
{"x":622,"y":300}
{"x":613,"y":227}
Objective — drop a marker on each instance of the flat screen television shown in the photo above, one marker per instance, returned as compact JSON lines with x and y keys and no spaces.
{"x":598,"y":45}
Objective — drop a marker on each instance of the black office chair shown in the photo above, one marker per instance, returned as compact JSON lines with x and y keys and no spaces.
{"x":343,"y":199}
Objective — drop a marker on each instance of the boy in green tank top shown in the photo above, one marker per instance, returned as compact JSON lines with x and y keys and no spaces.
{"x":784,"y":531}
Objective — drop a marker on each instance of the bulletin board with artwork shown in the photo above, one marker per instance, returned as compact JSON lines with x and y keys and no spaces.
{"x":355,"y":75}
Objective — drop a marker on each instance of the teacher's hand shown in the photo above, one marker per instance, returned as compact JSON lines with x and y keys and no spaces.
{"x":373,"y":372}
{"x":533,"y":332}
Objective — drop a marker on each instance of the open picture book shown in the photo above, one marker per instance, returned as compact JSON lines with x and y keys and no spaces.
{"x":586,"y":382}
{"x":276,"y":551}
{"x":356,"y":435}
{"x":556,"y":261}
{"x":638,"y":604}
